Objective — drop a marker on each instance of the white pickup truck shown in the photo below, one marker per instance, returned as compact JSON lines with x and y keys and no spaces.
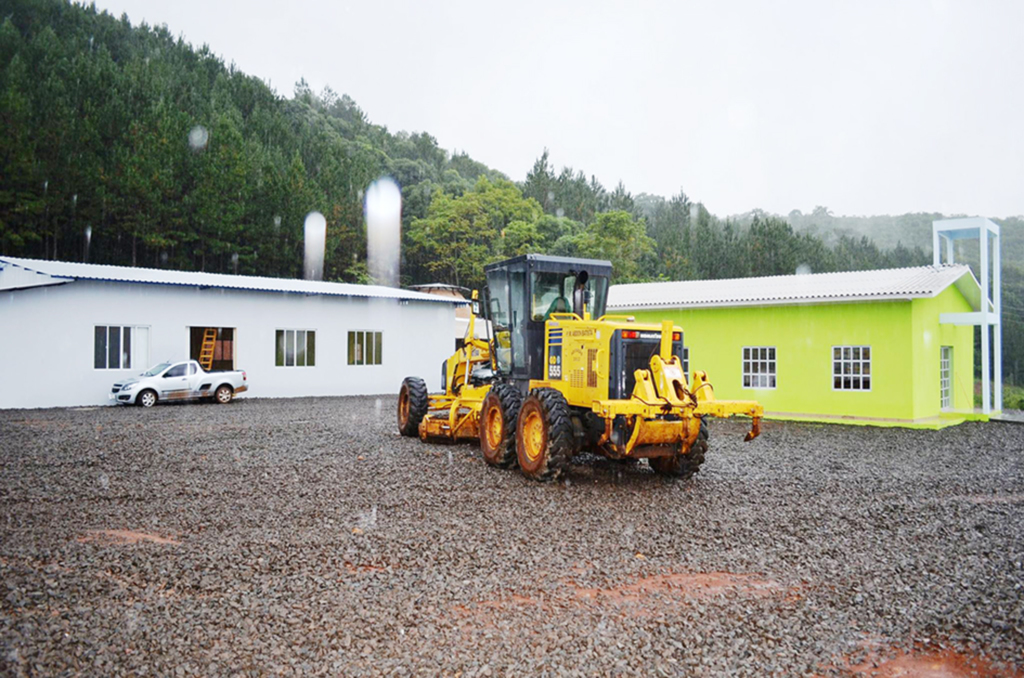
{"x":178,"y":381}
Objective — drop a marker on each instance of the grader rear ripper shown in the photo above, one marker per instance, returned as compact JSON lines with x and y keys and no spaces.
{"x":551,"y":381}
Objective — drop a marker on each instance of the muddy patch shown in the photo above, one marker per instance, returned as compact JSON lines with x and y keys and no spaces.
{"x":643,"y":597}
{"x":124,"y":537}
{"x":932,"y":664}
{"x":682,"y":586}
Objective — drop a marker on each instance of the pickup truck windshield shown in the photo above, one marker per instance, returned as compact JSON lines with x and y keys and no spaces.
{"x":155,"y":370}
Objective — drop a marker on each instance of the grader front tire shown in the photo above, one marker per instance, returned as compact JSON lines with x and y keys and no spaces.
{"x":498,"y":417}
{"x":683,"y":466}
{"x":544,"y":435}
{"x":412,"y":405}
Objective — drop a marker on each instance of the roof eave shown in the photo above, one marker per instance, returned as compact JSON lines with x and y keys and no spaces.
{"x":818,"y":301}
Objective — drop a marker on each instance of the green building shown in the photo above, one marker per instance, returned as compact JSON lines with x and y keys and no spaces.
{"x":858,"y":347}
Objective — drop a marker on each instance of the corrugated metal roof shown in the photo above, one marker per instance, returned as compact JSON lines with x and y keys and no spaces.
{"x":886,"y":284}
{"x":66,"y":271}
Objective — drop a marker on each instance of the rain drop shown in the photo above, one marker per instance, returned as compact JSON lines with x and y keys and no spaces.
{"x":377,"y":407}
{"x":316,"y":239}
{"x":104,"y":481}
{"x":559,"y":213}
{"x":163,"y":257}
{"x":277,"y":222}
{"x":383,"y":211}
{"x":198,"y":137}
{"x":803,"y":269}
{"x":234,"y":262}
{"x":551,"y":195}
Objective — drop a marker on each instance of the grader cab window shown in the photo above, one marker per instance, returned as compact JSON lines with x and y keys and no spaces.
{"x":499,"y":316}
{"x":553,"y":293}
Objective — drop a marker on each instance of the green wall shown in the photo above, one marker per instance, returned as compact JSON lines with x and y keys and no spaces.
{"x":904,"y":337}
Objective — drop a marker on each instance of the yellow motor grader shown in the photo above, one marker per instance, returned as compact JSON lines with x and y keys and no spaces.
{"x":556,"y":376}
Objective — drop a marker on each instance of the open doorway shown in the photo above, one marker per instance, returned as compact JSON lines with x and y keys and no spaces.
{"x":222,"y":339}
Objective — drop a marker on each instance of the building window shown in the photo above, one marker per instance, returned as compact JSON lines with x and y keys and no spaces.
{"x":295,"y":348}
{"x":758,"y":367}
{"x":119,"y":347}
{"x":946,"y":377}
{"x":851,"y":368}
{"x":365,"y":348}
{"x":686,"y":361}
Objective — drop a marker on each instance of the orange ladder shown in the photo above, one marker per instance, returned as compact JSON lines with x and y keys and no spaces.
{"x":206,"y":352}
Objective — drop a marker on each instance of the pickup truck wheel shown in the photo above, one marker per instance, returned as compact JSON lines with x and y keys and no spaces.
{"x":224,"y":394}
{"x":146,"y":399}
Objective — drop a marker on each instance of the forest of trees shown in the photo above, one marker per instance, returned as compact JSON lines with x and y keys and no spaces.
{"x":124,"y":145}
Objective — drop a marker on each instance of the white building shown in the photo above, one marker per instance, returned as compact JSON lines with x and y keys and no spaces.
{"x":70,"y":330}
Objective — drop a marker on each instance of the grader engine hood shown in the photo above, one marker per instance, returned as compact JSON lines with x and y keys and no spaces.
{"x":662,"y":411}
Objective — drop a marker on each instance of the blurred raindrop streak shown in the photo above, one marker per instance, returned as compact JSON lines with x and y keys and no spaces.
{"x":316,"y":240}
{"x":87,"y":241}
{"x":383,"y":210}
{"x":803,"y":269}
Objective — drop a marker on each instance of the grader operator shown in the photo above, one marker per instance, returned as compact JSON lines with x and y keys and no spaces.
{"x":556,"y":376}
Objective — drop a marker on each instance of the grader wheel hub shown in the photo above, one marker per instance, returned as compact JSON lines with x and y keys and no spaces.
{"x":403,"y":407}
{"x":533,"y":435}
{"x":494,"y":427}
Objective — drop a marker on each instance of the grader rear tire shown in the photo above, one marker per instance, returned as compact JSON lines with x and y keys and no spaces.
{"x":684,"y":465}
{"x":412,"y":406}
{"x":498,"y":417}
{"x":544,"y":435}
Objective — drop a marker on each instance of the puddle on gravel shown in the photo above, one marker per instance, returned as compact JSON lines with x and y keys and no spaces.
{"x":123,"y":537}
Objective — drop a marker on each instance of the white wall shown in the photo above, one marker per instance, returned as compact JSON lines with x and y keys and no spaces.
{"x":47,"y":336}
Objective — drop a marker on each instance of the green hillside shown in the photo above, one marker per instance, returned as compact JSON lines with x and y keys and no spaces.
{"x":123,"y":145}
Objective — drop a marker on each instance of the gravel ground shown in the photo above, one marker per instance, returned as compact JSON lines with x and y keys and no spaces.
{"x":306,"y":537}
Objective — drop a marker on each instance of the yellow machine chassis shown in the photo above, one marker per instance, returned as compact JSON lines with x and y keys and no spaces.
{"x":662,"y":416}
{"x":455,"y":417}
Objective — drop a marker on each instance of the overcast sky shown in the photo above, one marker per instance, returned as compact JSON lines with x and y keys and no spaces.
{"x":864,"y":107}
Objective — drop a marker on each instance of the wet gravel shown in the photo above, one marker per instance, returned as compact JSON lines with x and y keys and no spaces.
{"x":306,"y":537}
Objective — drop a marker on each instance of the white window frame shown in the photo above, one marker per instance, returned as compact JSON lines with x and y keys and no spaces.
{"x":294,"y":334}
{"x":138,"y":355}
{"x":946,"y":377}
{"x":760,"y":367}
{"x":369,"y":357}
{"x":852,"y":362}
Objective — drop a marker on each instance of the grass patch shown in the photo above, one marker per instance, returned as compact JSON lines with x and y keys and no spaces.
{"x":1013,"y":396}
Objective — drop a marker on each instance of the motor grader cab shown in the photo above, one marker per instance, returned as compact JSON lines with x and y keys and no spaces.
{"x":557,"y":376}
